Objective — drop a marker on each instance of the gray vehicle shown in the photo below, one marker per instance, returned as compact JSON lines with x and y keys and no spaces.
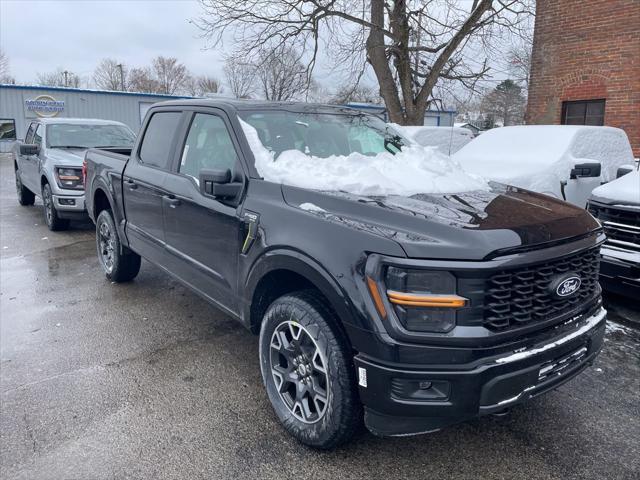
{"x":48,"y":163}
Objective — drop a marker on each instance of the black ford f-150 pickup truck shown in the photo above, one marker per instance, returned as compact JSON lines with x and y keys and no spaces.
{"x":410,"y":313}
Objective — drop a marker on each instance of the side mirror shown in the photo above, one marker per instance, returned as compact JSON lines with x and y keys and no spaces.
{"x":29,"y":149}
{"x":218,"y":184}
{"x":624,"y":170}
{"x":582,"y":170}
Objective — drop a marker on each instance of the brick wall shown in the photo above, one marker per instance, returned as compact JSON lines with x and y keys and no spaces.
{"x":585,"y":50}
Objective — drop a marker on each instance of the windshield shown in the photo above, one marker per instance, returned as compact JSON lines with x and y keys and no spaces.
{"x":63,"y":135}
{"x":323,"y":134}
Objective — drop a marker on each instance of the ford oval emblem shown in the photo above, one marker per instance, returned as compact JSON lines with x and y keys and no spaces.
{"x":566,"y":286}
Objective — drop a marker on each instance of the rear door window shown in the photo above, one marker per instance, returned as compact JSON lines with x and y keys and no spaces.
{"x":156,"y":149}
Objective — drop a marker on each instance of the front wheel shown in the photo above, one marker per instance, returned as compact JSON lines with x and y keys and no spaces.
{"x":53,"y":221}
{"x":308,"y":372}
{"x":119,"y":263}
{"x":25,"y":196}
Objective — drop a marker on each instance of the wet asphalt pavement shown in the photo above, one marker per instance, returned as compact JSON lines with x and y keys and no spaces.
{"x":146,"y":380}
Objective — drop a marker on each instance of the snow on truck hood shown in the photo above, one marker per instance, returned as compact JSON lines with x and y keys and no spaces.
{"x":539,"y":157}
{"x":66,"y":156}
{"x":622,"y":191}
{"x":414,"y":170}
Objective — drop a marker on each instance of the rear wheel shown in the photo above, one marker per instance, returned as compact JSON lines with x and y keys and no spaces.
{"x":25,"y":196}
{"x":308,"y":372}
{"x":119,"y":263}
{"x":53,"y":221}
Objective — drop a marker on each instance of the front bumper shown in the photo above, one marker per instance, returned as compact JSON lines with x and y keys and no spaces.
{"x":70,"y":206}
{"x":400,"y":400}
{"x":620,"y":271}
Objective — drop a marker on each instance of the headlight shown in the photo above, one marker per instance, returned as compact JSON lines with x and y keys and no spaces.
{"x":423,"y":300}
{"x":69,"y":178}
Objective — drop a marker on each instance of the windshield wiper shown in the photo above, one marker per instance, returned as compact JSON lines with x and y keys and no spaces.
{"x":68,"y":146}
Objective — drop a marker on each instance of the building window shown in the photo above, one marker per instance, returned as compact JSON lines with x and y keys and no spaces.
{"x":583,"y":112}
{"x":7,"y":129}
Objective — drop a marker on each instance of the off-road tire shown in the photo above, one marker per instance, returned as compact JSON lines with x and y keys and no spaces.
{"x":342,"y":415}
{"x":51,"y":217}
{"x":119,"y":263}
{"x":25,"y":196}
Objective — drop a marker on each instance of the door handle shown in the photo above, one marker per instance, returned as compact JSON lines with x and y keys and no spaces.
{"x":170,"y":200}
{"x":131,"y":184}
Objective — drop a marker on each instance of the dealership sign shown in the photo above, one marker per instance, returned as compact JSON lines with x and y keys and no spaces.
{"x":44,"y":106}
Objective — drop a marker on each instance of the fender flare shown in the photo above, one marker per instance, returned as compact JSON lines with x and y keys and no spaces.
{"x":303,"y":265}
{"x":99,"y":184}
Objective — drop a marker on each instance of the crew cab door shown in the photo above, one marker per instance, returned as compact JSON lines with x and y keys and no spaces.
{"x":29,"y":164}
{"x":202,"y":232}
{"x":143,"y":183}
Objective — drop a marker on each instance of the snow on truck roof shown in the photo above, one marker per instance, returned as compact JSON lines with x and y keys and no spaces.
{"x":524,"y":156}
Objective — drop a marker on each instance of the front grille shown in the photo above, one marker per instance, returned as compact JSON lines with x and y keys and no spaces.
{"x":517,"y":297}
{"x":622,"y":227}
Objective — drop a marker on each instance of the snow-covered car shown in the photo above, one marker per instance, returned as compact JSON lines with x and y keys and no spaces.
{"x":447,"y":140}
{"x":617,"y":206}
{"x":565,"y":161}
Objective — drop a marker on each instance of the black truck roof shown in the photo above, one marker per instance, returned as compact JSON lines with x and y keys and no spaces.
{"x":240,"y":105}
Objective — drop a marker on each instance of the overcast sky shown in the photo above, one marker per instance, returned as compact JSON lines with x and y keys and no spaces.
{"x":40,"y":36}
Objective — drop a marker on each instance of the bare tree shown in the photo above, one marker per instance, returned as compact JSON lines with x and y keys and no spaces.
{"x":169,"y":74}
{"x":5,"y":73}
{"x":110,"y":75}
{"x":142,"y":80}
{"x":240,"y":77}
{"x":281,"y":74}
{"x":59,"y":78}
{"x":505,"y":102}
{"x":208,"y":84}
{"x":357,"y":93}
{"x":410,"y":44}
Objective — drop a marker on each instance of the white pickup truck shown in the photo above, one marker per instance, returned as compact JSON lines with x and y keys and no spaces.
{"x":617,"y":206}
{"x":565,"y":161}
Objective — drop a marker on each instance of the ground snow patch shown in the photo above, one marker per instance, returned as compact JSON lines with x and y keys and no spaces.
{"x":414,"y":170}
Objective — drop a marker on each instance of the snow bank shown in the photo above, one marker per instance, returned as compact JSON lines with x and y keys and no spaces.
{"x":624,"y":190}
{"x":414,"y":170}
{"x":447,"y":140}
{"x":539,"y":157}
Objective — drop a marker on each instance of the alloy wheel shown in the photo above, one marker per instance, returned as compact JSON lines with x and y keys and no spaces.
{"x":106,"y":246}
{"x":299,"y":370}
{"x":48,"y":205}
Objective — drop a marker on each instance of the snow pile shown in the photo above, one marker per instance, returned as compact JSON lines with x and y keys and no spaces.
{"x":539,"y":157}
{"x":447,"y":140}
{"x":414,"y":170}
{"x":624,"y":190}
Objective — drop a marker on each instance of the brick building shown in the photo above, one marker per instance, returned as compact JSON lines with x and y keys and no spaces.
{"x":586,"y":65}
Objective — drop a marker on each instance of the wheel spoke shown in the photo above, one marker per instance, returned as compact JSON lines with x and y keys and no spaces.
{"x":297,"y":362}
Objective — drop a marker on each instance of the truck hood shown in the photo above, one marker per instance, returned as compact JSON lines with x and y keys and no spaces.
{"x":622,"y":191}
{"x":469,"y":225}
{"x":66,"y":156}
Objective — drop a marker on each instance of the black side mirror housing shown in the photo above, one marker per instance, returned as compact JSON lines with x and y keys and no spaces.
{"x":218,"y":184}
{"x":582,"y":170}
{"x":29,"y":149}
{"x":624,"y":170}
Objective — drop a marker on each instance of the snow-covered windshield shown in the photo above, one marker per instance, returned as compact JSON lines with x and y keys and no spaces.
{"x":323,"y":134}
{"x":351,"y":153}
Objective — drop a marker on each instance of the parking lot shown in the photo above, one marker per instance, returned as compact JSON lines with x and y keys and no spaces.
{"x":146,"y":380}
